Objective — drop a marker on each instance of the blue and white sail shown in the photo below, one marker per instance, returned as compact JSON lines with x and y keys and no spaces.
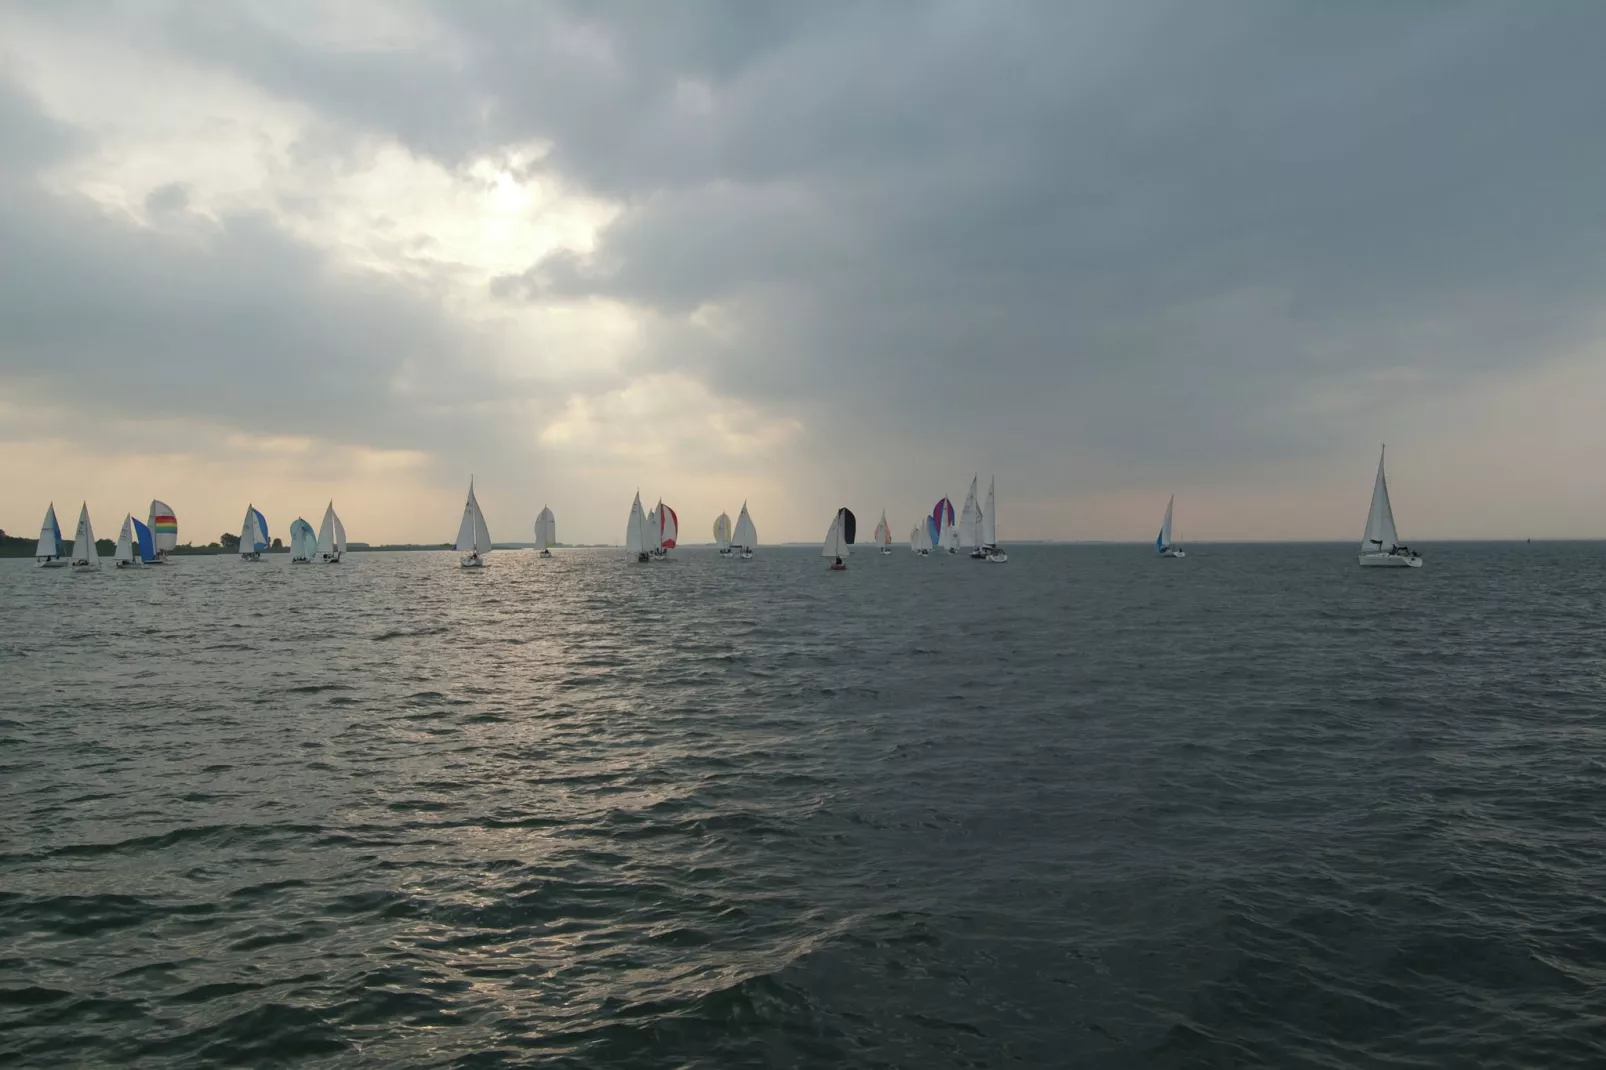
{"x":52,"y":552}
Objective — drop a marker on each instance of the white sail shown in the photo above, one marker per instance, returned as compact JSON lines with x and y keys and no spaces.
{"x":745,"y":536}
{"x":163,"y":523}
{"x":303,"y":542}
{"x":950,"y":537}
{"x":50,"y":545}
{"x":970,"y":519}
{"x":1380,"y":536}
{"x":917,"y":540}
{"x":834,"y":546}
{"x":989,"y":517}
{"x":1163,"y":543}
{"x":546,"y":529}
{"x":472,"y":535}
{"x":636,"y":537}
{"x":327,"y":545}
{"x":883,"y":533}
{"x":722,"y":531}
{"x":653,"y":531}
{"x":83,"y":544}
{"x":124,"y":554}
{"x":340,"y":537}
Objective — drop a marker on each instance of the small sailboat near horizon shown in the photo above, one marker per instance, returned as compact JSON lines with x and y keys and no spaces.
{"x":303,"y":542}
{"x":970,"y":523}
{"x":637,"y":539}
{"x":253,"y":534}
{"x":473,"y":537}
{"x":944,"y":536}
{"x":51,"y":552}
{"x":127,"y":553}
{"x":722,"y":534}
{"x":84,"y":553}
{"x":839,"y":538}
{"x":918,"y":543}
{"x":1380,"y":544}
{"x":163,"y":523}
{"x":1162,"y":543}
{"x":883,"y":535}
{"x":746,"y":535}
{"x":664,"y":525}
{"x":331,"y":544}
{"x":546,"y":531}
{"x":989,"y":526}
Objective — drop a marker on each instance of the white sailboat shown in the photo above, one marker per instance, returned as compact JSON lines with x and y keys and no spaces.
{"x":883,"y":534}
{"x":124,"y":556}
{"x":746,"y":535}
{"x":637,"y":539}
{"x":839,"y":539}
{"x":1162,"y":543}
{"x":546,"y":531}
{"x":989,"y":526}
{"x":918,"y":542}
{"x":51,"y":552}
{"x":84,"y":553}
{"x":253,"y":534}
{"x":163,"y":523}
{"x":331,"y":544}
{"x":970,"y":523}
{"x":473,"y":537}
{"x":722,"y":535}
{"x":303,"y":542}
{"x":1380,"y":545}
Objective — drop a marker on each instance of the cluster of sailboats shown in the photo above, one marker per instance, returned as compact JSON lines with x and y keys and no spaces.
{"x":651,"y":534}
{"x":145,"y":542}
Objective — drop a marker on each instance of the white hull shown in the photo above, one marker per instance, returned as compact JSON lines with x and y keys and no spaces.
{"x":886,"y":551}
{"x":1389,"y":561}
{"x":998,"y":557}
{"x":57,"y":563}
{"x":1173,"y":553}
{"x":331,"y":559}
{"x":472,"y":562}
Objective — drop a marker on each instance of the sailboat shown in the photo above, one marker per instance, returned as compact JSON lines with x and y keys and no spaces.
{"x":989,"y":526}
{"x":124,"y":556}
{"x":883,"y":534}
{"x":1380,"y":545}
{"x":943,"y":525}
{"x":303,"y":542}
{"x":665,"y":525}
{"x":52,"y":552}
{"x":473,"y":537}
{"x":917,"y":541}
{"x":331,"y":542}
{"x":970,"y":523}
{"x":163,"y":523}
{"x":839,"y":538}
{"x":546,"y":531}
{"x":722,"y":535}
{"x":253,"y":534}
{"x":746,"y":535}
{"x":637,"y":539}
{"x":84,"y":553}
{"x":1162,"y":542}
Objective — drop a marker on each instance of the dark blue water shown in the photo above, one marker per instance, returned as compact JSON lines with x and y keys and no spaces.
{"x":1254,"y":808}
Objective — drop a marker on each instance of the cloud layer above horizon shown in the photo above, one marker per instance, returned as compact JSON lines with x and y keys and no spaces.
{"x":804,"y":255}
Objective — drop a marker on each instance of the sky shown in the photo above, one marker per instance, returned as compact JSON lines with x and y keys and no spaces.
{"x":805,"y":255}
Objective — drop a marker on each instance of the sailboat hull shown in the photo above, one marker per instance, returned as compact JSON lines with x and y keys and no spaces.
{"x":57,"y":563}
{"x":1389,"y":561}
{"x":472,"y":562}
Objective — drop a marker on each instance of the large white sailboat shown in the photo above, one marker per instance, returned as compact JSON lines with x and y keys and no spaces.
{"x":839,"y":539}
{"x":1380,"y":545}
{"x":637,"y":539}
{"x":745,"y":536}
{"x":722,"y":535}
{"x":473,"y":537}
{"x":51,"y":552}
{"x":303,"y":542}
{"x":546,"y":531}
{"x":1162,"y":543}
{"x":253,"y":534}
{"x":918,"y":543}
{"x":970,"y":523}
{"x":989,"y":526}
{"x":331,"y":544}
{"x":126,"y":555}
{"x":883,"y":534}
{"x":84,"y":553}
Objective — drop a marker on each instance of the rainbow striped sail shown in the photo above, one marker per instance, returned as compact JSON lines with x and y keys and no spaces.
{"x":164,"y":527}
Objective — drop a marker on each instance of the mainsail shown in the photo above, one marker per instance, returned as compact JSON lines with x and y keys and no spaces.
{"x":546,"y":529}
{"x":1162,"y":543}
{"x":83,"y":544}
{"x":970,"y":519}
{"x":50,"y":544}
{"x":745,"y":536}
{"x":917,"y":540}
{"x":989,"y":518}
{"x":472,"y":535}
{"x":636,"y":538}
{"x":124,"y":554}
{"x":1380,"y":536}
{"x":331,"y":541}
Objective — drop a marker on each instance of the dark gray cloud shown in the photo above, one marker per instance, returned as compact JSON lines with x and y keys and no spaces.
{"x":1148,"y":235}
